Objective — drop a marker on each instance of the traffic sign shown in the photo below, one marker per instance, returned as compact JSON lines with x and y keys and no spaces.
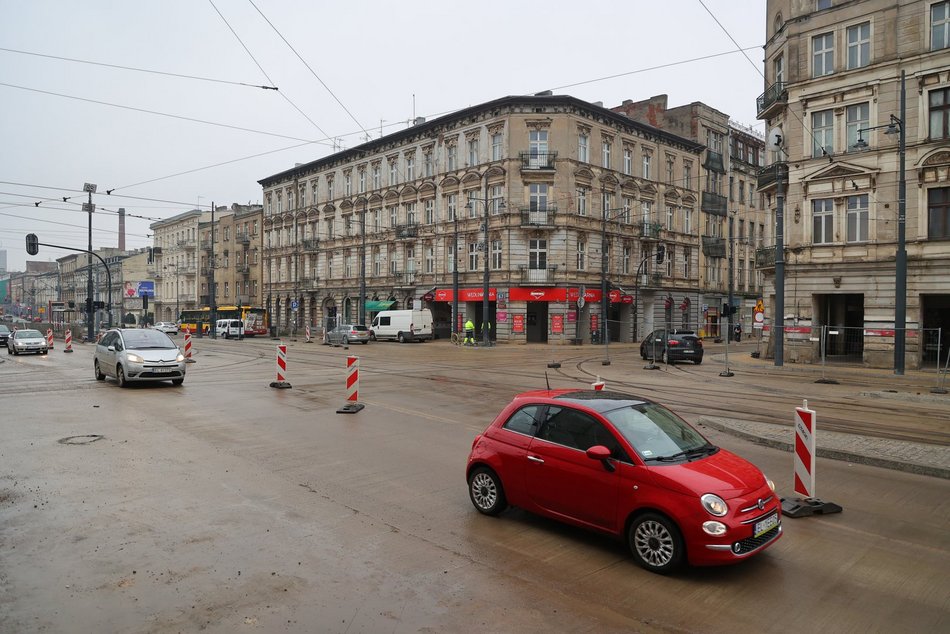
{"x":293,"y":305}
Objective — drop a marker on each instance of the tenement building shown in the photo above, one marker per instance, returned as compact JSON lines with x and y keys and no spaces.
{"x":857,"y":102}
{"x":561,"y":214}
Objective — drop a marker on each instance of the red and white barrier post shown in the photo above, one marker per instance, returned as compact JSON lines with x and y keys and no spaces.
{"x":804,"y":469}
{"x":69,"y":341}
{"x":188,"y":358}
{"x":281,"y":381}
{"x":599,"y":384}
{"x":308,"y":333}
{"x":49,"y":338}
{"x":352,"y":387}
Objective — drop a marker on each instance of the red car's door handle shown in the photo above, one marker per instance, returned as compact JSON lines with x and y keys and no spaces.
{"x":535,"y":459}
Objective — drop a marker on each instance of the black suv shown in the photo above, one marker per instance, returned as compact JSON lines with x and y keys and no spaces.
{"x":4,"y":334}
{"x":671,"y":346}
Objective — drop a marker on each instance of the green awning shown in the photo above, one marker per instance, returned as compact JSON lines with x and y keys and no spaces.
{"x":376,"y":305}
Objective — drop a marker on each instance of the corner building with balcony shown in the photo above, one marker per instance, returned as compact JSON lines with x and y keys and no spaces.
{"x":833,"y":99}
{"x":562,"y":196}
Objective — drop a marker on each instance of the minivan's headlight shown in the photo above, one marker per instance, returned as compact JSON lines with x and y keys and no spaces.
{"x":134,"y":358}
{"x":714,"y":504}
{"x":180,"y":357}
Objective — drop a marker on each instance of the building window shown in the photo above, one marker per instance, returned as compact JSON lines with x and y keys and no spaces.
{"x":605,"y":152}
{"x":605,"y":203}
{"x":939,"y":115}
{"x":858,"y":218}
{"x":376,"y":177}
{"x":451,"y":207}
{"x":393,"y":216}
{"x":582,"y":201}
{"x":822,"y":132}
{"x":450,"y":158}
{"x":394,"y":171}
{"x":427,"y":164}
{"x":452,"y":259}
{"x":537,"y":254}
{"x":670,"y":164}
{"x":823,"y":4}
{"x":646,"y":211}
{"x":779,"y":68}
{"x":329,"y":226}
{"x":472,"y":204}
{"x":496,"y":255}
{"x":741,"y":191}
{"x":329,"y":188}
{"x":823,"y":55}
{"x":628,"y":161}
{"x":497,"y":147}
{"x":583,"y":148}
{"x":581,"y":255}
{"x":430,"y":259}
{"x":430,"y":211}
{"x":687,"y":220}
{"x":688,"y":175}
{"x":823,"y":221}
{"x":377,"y":220}
{"x":646,"y":165}
{"x":410,"y":167}
{"x":626,"y":256}
{"x":938,"y":213}
{"x":411,"y":213}
{"x":670,"y":259}
{"x":362,"y":177}
{"x":497,"y":199}
{"x":939,"y":25}
{"x":670,"y":212}
{"x":348,"y":185}
{"x":473,"y":256}
{"x":858,"y":117}
{"x":538,"y":148}
{"x":377,"y":263}
{"x":687,"y":254}
{"x":538,"y":196}
{"x":859,"y":45}
{"x":627,"y":206}
{"x":473,"y":151}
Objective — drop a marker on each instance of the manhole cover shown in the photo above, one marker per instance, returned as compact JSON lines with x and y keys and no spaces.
{"x":81,"y":440}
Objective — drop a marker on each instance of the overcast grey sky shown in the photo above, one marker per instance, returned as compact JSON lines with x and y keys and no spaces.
{"x":189,"y":133}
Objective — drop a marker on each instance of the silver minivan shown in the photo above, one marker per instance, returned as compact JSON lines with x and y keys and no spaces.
{"x":228,"y":328}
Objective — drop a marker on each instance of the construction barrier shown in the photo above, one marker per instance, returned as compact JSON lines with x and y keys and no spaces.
{"x":308,"y":333}
{"x":599,"y":384}
{"x":804,"y":469}
{"x":188,"y":358}
{"x":281,"y":381}
{"x":49,"y":338}
{"x":352,"y":387}
{"x":69,"y":341}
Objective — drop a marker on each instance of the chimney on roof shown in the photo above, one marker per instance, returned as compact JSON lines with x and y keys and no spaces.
{"x":544,"y":93}
{"x":419,"y":121}
{"x":121,"y":228}
{"x":599,"y":104}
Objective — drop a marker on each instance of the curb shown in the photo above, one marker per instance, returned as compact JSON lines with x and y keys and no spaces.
{"x":896,"y":464}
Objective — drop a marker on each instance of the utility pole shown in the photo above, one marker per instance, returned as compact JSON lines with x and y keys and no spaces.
{"x":213,"y":305}
{"x":90,"y":188}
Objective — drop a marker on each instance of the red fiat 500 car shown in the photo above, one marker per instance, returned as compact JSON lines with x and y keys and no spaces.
{"x":629,"y":467}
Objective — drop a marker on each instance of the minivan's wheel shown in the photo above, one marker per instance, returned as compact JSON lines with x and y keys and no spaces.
{"x":401,"y":338}
{"x":120,"y":376}
{"x":656,"y":543}
{"x":346,"y":341}
{"x":99,"y":375}
{"x":372,"y":335}
{"x":486,"y":492}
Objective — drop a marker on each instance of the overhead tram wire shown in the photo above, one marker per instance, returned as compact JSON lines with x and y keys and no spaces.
{"x":261,"y":68}
{"x":138,"y":70}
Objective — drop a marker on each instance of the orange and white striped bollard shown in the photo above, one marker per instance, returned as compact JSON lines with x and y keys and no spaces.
{"x":69,"y":341}
{"x":49,"y":338}
{"x":188,"y":358}
{"x":352,"y":387}
{"x":281,"y":381}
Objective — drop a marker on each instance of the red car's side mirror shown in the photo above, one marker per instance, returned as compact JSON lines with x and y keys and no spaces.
{"x":601,"y":453}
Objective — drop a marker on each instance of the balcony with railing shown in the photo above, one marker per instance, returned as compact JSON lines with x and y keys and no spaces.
{"x":537,"y":276}
{"x":767,"y":177}
{"x":772,"y":101}
{"x":243,"y":269}
{"x":714,"y":203}
{"x":649,"y":230}
{"x":309,"y":283}
{"x":538,"y":216}
{"x":407,"y":231}
{"x":243,"y":237}
{"x":406,"y":279}
{"x":651,"y":280}
{"x":310,"y":244}
{"x":714,"y":247}
{"x":765,"y":258}
{"x":538,"y":160}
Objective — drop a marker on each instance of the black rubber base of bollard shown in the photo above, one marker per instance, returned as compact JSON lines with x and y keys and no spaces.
{"x":350,"y":408}
{"x":283,"y":385}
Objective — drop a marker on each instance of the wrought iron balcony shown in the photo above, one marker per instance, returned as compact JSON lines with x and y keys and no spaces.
{"x":767,"y":177}
{"x":243,"y":269}
{"x":765,"y":258}
{"x":537,"y":276}
{"x":714,"y":204}
{"x":308,"y":283}
{"x":649,"y":230}
{"x":651,"y":280}
{"x":407,"y":231}
{"x":311,"y":244}
{"x":772,"y":101}
{"x":242,"y":237}
{"x":538,"y":216}
{"x":538,"y":160}
{"x":714,"y":247}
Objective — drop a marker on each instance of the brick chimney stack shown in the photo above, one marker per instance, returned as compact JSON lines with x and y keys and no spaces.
{"x":121,"y":228}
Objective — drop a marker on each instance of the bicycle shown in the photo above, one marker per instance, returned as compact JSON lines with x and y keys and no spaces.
{"x":458,"y":339}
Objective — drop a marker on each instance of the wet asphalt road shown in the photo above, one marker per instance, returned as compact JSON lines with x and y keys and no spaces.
{"x":226,"y":505}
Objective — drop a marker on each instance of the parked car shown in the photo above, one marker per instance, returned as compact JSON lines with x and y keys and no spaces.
{"x":168,"y":327}
{"x":629,"y":467}
{"x":344,"y":334}
{"x":4,"y":334}
{"x":228,"y":328}
{"x":671,"y":346}
{"x":138,"y":354}
{"x":26,"y":340}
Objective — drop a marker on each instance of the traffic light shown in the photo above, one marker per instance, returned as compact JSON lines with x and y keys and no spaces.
{"x":32,"y":244}
{"x":660,"y":253}
{"x":144,"y":302}
{"x":728,"y":310}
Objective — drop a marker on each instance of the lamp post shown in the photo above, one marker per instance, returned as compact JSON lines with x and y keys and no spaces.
{"x":362,"y":308}
{"x":501,"y":205}
{"x":607,"y":214}
{"x":896,"y":126}
{"x":89,"y":188}
{"x":455,"y":275}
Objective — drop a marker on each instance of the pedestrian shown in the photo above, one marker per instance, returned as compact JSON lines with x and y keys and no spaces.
{"x":469,"y":333}
{"x":738,"y":331}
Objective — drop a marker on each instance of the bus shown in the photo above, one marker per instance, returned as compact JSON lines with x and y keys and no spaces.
{"x":255,"y":319}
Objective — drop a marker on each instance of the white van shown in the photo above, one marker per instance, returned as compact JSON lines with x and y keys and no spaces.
{"x":402,"y":325}
{"x":228,"y":328}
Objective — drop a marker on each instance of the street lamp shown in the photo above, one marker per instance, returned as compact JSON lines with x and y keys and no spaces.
{"x":500,"y":206}
{"x":455,"y":275}
{"x":896,"y":126}
{"x":608,"y":214}
{"x":362,"y":308}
